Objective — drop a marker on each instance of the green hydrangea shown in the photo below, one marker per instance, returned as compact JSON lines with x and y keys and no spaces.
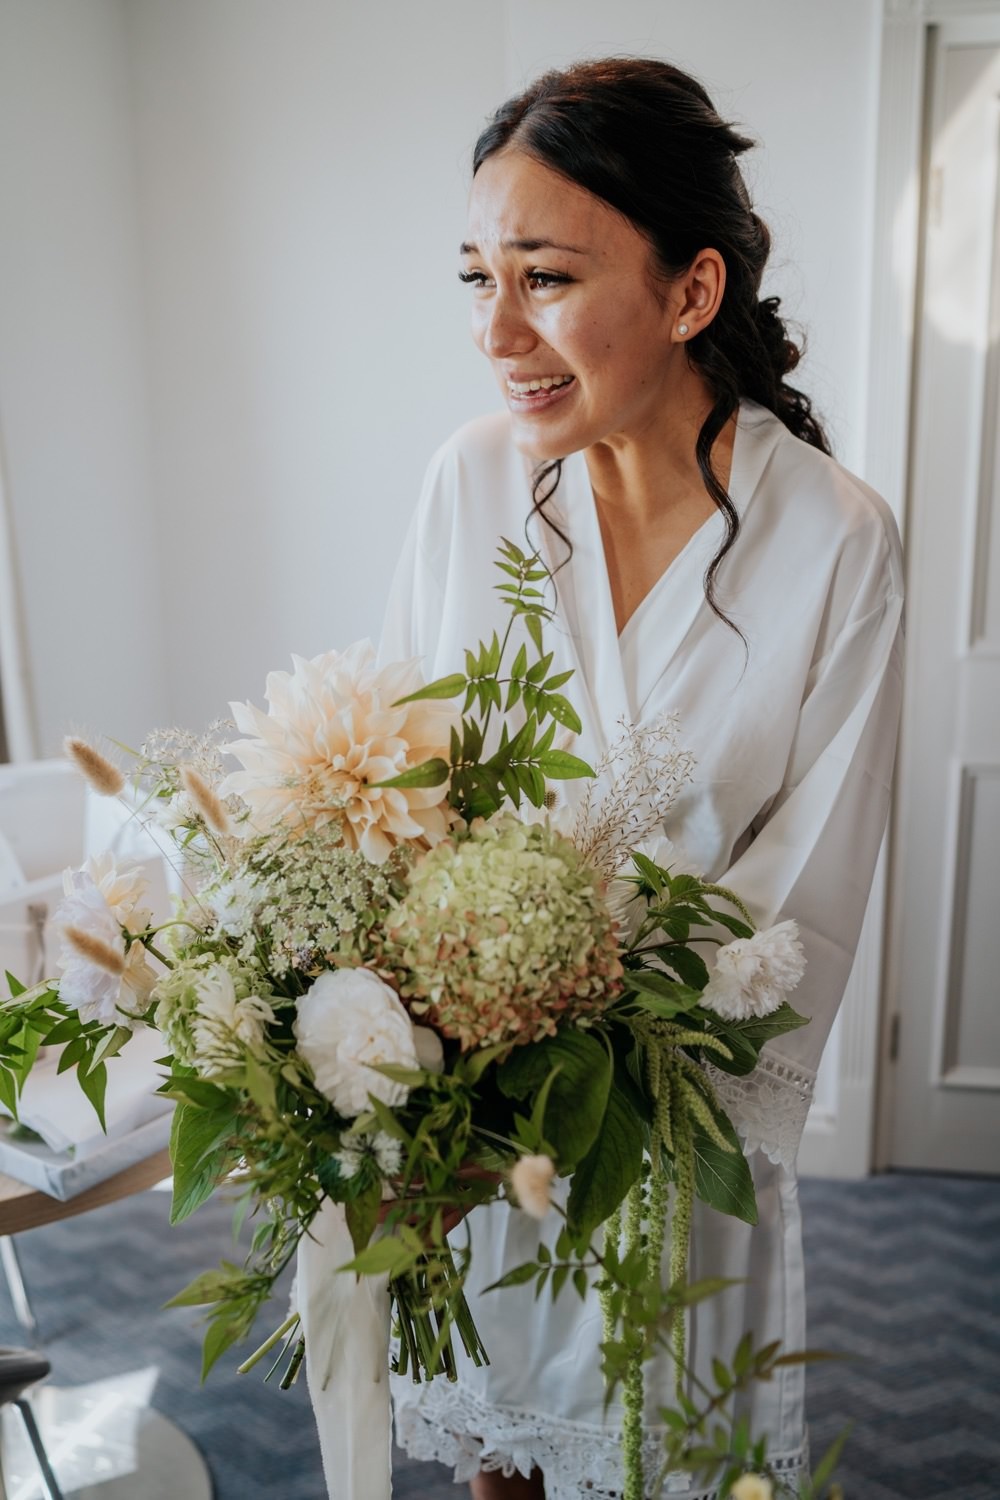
{"x":503,"y":934}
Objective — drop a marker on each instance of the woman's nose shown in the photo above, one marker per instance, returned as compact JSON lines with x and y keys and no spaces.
{"x":505,"y":330}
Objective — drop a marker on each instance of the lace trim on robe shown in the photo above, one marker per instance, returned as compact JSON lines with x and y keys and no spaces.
{"x":768,"y":1107}
{"x":444,"y":1424}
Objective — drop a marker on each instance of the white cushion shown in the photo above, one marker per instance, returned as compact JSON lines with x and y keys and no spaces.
{"x":42,"y":815}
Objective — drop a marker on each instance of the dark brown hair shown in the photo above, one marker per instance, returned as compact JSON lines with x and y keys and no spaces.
{"x":646,"y":138}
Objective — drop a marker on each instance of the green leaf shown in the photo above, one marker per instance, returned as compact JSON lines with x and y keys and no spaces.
{"x":65,"y":1030}
{"x":534,"y":628}
{"x":362,"y":1215}
{"x":653,"y":875}
{"x":198,"y":1090}
{"x":783,"y":1019}
{"x":563,"y":711}
{"x":386,"y":1255}
{"x":561,"y":766}
{"x":722,"y":1179}
{"x":613,"y":1162}
{"x":8,"y":1091}
{"x":659,"y":994}
{"x":198,"y":1153}
{"x":519,"y":1276}
{"x":443,"y":687}
{"x":210,"y":1286}
{"x":578,"y":1094}
{"x":824,"y":1470}
{"x":14,"y":985}
{"x":744,"y":1055}
{"x":689,"y":966}
{"x":520,"y":661}
{"x":429,"y":773}
{"x":94,"y":1083}
{"x":225,"y":1330}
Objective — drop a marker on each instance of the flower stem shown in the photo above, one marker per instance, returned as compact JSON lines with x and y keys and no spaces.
{"x":268,"y":1344}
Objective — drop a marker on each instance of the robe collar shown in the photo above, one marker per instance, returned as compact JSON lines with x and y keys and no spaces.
{"x":616,"y":675}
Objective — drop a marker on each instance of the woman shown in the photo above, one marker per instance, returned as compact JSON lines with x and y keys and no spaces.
{"x":712,"y":560}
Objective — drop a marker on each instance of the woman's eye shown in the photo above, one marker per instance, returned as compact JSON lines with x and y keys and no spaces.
{"x":474,"y":278}
{"x":545,"y":279}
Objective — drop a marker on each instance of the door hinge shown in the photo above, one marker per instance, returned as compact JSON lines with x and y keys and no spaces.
{"x":894,"y":1037}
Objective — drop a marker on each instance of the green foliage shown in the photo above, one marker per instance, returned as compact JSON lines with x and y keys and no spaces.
{"x":722,"y":1178}
{"x":613,"y":1162}
{"x":201,"y":1152}
{"x":522,"y":761}
{"x":576,"y":1068}
{"x":235,"y":1296}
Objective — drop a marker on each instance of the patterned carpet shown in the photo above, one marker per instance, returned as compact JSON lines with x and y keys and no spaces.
{"x":904,"y":1276}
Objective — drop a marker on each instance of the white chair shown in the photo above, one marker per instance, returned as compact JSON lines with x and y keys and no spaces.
{"x":50,"y":820}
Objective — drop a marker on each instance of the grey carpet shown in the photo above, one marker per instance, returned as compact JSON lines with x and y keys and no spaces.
{"x":904,"y":1276}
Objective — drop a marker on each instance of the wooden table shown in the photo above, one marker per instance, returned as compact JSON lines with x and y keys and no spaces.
{"x":23,"y":1207}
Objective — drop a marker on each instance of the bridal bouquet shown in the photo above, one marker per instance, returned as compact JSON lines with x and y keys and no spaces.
{"x":405,"y":980}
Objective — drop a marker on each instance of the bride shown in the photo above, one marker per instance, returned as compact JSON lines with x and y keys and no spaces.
{"x":711,"y":559}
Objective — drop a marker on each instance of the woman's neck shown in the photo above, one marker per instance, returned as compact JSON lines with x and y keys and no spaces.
{"x":638,"y":477}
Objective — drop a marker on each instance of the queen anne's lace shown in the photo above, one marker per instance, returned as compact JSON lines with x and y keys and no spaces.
{"x":446,"y":1425}
{"x":768,"y":1106}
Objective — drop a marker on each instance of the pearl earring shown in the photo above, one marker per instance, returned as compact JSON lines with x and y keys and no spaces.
{"x":682,"y":328}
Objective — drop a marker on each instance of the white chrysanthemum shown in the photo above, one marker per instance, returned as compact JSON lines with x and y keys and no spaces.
{"x":98,"y":978}
{"x":224,"y":1026}
{"x":531,"y":1178}
{"x":348,"y":1023}
{"x":359,"y":1146}
{"x":234,"y":904}
{"x":175,"y":813}
{"x":753,"y":976}
{"x":329,"y":735}
{"x":626,"y":907}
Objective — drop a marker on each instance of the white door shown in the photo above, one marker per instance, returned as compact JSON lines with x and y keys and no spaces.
{"x":942,"y":1068}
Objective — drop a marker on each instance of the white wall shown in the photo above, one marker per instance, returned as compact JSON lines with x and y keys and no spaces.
{"x":72,"y":372}
{"x":298,"y":174}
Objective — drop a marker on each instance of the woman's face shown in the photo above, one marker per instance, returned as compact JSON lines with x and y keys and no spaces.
{"x":563,"y":307}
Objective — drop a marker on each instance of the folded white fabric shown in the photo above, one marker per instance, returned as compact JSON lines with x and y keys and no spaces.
{"x":55,"y":1107}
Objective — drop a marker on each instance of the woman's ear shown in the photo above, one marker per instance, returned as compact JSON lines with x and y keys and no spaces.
{"x":698,"y":293}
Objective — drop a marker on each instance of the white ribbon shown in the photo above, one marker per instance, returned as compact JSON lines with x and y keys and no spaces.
{"x":345,"y":1320}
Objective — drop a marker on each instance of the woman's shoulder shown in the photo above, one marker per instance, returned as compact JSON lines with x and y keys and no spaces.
{"x":476,"y":489}
{"x":481,"y":449}
{"x":820,"y":508}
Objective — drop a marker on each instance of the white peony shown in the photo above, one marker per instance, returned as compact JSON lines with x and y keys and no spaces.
{"x":754,"y":975}
{"x":98,"y":978}
{"x":348,"y":1023}
{"x":225,"y":1027}
{"x":123,"y":889}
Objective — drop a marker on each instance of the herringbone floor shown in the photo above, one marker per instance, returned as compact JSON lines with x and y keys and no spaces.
{"x":904,"y":1275}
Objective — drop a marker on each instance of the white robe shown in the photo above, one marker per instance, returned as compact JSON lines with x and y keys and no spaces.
{"x":794,"y":754}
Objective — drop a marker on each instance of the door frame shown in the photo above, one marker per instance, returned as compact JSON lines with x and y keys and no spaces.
{"x":893,"y":350}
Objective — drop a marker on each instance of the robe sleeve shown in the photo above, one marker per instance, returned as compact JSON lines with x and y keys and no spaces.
{"x":814,"y":847}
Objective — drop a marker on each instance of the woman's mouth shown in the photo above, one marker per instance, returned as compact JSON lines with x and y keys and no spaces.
{"x":538,"y":392}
